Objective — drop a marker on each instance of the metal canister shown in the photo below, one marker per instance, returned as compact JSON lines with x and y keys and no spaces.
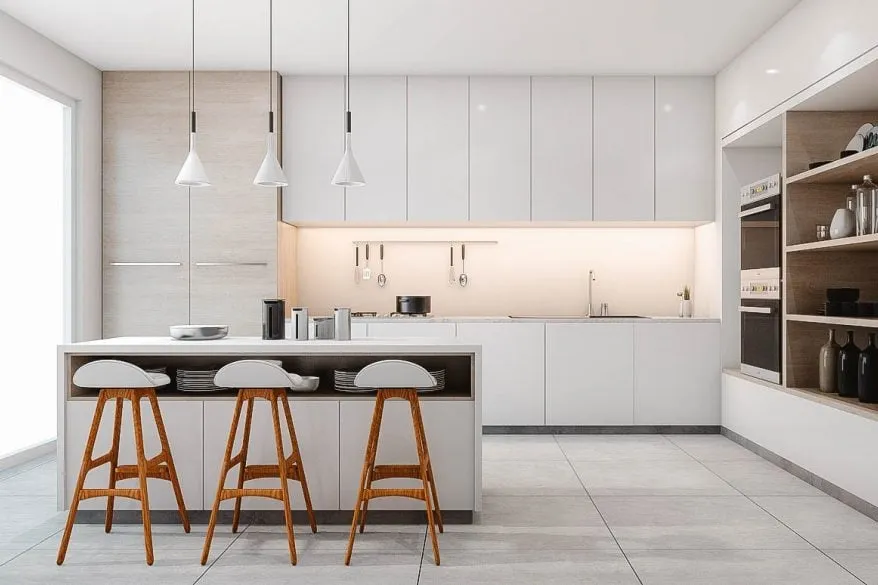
{"x":299,"y":322}
{"x":342,"y":324}
{"x":323,"y":328}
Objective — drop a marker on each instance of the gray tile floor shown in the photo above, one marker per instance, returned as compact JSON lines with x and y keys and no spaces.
{"x":597,"y":509}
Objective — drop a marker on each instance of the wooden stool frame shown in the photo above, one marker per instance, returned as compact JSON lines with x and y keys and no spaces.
{"x":292,"y":466}
{"x":422,"y":471}
{"x":159,"y":467}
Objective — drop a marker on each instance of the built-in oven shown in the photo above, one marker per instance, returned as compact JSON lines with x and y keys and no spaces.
{"x":760,"y":224}
{"x":760,"y":310}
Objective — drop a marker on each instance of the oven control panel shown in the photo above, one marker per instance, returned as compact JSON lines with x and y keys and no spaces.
{"x":761,"y":284}
{"x":762,"y":189}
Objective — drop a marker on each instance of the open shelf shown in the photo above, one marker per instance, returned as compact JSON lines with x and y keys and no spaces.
{"x":847,"y":170}
{"x":867,"y":243}
{"x":868,"y":322}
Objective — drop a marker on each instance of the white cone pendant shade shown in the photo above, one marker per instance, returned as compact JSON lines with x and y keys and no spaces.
{"x":192,"y":174}
{"x":270,"y":173}
{"x":348,"y":173}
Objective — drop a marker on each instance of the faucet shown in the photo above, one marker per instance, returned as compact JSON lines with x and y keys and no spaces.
{"x":590,"y":280}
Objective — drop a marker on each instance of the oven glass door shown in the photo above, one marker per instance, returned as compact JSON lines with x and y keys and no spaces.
{"x":760,"y":234}
{"x":760,"y":335}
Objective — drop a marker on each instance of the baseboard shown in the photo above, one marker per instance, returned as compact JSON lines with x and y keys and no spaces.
{"x":22,"y":456}
{"x":827,"y":487}
{"x":601,"y":430}
{"x":275,"y":517}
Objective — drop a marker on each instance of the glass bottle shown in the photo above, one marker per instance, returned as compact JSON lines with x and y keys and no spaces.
{"x":847,"y":368}
{"x":829,"y":364}
{"x":867,"y":197}
{"x":867,"y":372}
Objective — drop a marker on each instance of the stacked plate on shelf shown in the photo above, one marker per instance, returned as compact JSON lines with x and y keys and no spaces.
{"x":344,"y":382}
{"x":201,"y":379}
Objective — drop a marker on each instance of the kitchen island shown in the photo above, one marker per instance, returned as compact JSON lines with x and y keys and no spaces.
{"x":331,"y":426}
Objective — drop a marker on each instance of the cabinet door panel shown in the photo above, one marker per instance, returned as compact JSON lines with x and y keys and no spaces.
{"x":677,"y":374}
{"x":398,"y":330}
{"x":316,"y":425}
{"x":500,"y":148}
{"x":562,"y":148}
{"x":624,"y":148}
{"x":684,"y":153}
{"x":438,"y":149}
{"x":513,"y":369}
{"x":232,"y":295}
{"x":313,"y":125}
{"x":144,"y":300}
{"x":589,"y":374}
{"x":183,"y":422}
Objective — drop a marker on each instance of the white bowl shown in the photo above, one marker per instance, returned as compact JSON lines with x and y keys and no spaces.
{"x":199,"y":332}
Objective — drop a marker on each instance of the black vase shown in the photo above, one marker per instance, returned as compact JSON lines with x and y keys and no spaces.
{"x":847,"y":368}
{"x":867,"y":373}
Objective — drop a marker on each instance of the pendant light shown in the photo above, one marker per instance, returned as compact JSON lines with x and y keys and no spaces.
{"x":348,"y":173}
{"x":192,"y":174}
{"x":270,"y":173}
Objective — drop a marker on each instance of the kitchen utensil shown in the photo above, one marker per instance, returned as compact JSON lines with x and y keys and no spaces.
{"x":413,"y":305}
{"x":273,"y":319}
{"x":451,"y":277}
{"x":357,"y":264}
{"x":309,"y":384}
{"x":842,"y":295}
{"x":342,"y":323}
{"x":367,"y":272}
{"x":822,"y":232}
{"x":199,"y":332}
{"x":299,"y":323}
{"x":382,"y":278}
{"x":323,"y":328}
{"x":605,"y":310}
{"x":463,"y":277}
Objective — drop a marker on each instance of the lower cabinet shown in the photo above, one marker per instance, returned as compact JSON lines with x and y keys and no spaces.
{"x":316,"y":423}
{"x":589,"y":374}
{"x":183,"y":422}
{"x":450,"y":430}
{"x":513,"y":371}
{"x":677,"y":374}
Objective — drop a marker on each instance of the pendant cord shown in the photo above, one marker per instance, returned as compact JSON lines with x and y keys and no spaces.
{"x":348,"y":84}
{"x":193,"y":56}
{"x":270,"y":56}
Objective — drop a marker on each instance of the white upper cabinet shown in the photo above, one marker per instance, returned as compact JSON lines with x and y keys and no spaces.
{"x":499,"y":148}
{"x":624,"y":148}
{"x":313,"y":142}
{"x":684,"y":149}
{"x":561,"y":154}
{"x":438,"y":149}
{"x":378,"y":110}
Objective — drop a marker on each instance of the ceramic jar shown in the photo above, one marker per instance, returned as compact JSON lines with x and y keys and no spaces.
{"x":844,"y":222}
{"x":829,"y":364}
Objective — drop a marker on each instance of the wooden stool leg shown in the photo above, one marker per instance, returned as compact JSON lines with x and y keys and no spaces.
{"x":282,"y":466}
{"x":114,"y":462}
{"x":245,"y":444}
{"x":169,"y":459}
{"x":83,"y":471}
{"x":368,"y":463}
{"x":297,"y":458}
{"x":224,"y":470}
{"x":421,"y":443}
{"x":141,"y":474}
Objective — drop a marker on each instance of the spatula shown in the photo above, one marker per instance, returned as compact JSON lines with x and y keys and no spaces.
{"x":367,"y":272}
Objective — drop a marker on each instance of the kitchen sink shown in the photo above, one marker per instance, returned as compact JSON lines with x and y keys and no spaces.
{"x":578,"y":317}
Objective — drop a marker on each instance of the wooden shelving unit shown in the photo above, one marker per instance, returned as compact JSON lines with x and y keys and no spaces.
{"x":864,"y":322}
{"x":868,"y":243}
{"x":843,"y":171}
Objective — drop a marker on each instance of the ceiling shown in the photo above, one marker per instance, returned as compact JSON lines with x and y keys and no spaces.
{"x":409,"y":36}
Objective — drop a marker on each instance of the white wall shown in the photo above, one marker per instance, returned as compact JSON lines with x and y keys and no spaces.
{"x":814,"y":39}
{"x":26,"y":56}
{"x":530,"y":271}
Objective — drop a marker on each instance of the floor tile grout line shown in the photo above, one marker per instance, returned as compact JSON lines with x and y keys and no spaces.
{"x":4,"y":563}
{"x":210,"y":566}
{"x":781,"y":522}
{"x":604,"y":520}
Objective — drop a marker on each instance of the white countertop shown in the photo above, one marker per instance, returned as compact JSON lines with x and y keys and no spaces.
{"x":548,"y":319}
{"x":259,"y":346}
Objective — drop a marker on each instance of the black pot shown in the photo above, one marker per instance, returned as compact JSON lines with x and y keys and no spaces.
{"x":413,"y":305}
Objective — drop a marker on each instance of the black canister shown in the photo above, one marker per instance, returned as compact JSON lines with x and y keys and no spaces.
{"x":272,"y":319}
{"x":848,"y":357}
{"x":867,"y":373}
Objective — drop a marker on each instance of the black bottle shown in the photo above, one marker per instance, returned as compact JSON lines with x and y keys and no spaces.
{"x":847,"y":368}
{"x":867,"y":372}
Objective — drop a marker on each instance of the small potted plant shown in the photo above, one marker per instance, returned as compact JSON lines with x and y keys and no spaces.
{"x":685,"y":301}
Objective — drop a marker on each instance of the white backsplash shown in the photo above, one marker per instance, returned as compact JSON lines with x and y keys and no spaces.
{"x":530,"y":271}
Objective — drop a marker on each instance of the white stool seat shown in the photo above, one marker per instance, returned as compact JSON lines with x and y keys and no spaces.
{"x":116,"y":374}
{"x":255,"y":374}
{"x":394,"y":374}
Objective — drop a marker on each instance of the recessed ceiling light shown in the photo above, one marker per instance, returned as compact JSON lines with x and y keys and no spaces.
{"x":482,"y":107}
{"x":667,"y":107}
{"x":772,"y":71}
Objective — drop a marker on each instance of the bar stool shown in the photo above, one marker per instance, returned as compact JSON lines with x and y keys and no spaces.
{"x":119,"y":381}
{"x":267,"y":381}
{"x":396,"y":379}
